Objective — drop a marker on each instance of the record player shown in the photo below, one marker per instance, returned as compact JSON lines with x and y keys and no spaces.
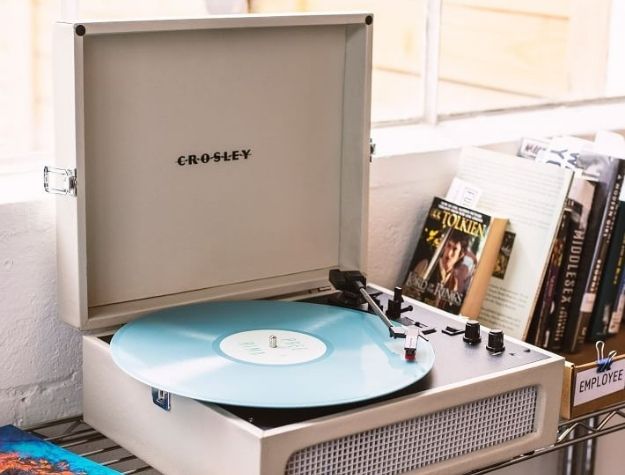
{"x":219,"y":167}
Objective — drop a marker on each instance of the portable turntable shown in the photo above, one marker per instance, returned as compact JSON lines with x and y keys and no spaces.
{"x":208,"y":164}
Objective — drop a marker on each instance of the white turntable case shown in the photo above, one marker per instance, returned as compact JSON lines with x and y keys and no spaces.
{"x":153,"y":220}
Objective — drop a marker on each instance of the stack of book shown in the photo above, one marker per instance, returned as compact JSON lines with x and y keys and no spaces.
{"x":581,"y":294}
{"x":532,"y":244}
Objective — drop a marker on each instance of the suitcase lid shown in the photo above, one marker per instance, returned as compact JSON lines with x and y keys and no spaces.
{"x":203,"y":159}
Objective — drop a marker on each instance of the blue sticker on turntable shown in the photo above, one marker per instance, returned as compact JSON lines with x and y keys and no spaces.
{"x":267,"y":354}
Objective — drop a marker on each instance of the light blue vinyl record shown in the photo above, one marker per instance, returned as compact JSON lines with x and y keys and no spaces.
{"x":268,"y":354}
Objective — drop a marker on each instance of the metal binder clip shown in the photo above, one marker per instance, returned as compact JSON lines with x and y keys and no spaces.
{"x":603,"y":364}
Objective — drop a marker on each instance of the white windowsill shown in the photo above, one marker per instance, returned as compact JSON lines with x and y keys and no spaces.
{"x":497,"y":128}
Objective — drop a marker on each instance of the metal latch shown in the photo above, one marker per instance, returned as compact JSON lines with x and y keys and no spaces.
{"x":371,"y":148}
{"x":60,"y":181}
{"x":161,"y":398}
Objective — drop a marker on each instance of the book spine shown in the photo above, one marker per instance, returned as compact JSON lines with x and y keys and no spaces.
{"x":568,"y":278}
{"x":594,"y":254}
{"x":545,"y":308}
{"x":602,"y":312}
{"x":615,"y":320}
{"x":618,"y":308}
{"x":474,"y":297}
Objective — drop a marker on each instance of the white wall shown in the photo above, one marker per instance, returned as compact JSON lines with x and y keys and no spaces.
{"x":40,"y":356}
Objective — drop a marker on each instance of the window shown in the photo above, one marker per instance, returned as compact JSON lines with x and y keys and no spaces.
{"x":432,"y":59}
{"x":496,"y":54}
{"x":435,"y":59}
{"x":25,"y":89}
{"x":398,"y":53}
{"x":26,"y":125}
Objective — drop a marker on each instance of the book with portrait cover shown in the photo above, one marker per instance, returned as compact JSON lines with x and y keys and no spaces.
{"x":23,"y":453}
{"x":450,"y":267}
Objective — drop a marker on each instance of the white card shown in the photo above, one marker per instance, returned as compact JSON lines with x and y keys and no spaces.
{"x":463,"y":193}
{"x":590,"y":385}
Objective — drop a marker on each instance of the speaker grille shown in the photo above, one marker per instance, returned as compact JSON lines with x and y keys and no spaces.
{"x":423,"y":440}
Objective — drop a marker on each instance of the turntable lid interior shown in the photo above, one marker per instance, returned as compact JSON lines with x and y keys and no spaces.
{"x":214,"y":158}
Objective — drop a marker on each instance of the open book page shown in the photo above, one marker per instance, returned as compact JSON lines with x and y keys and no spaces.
{"x":532,"y":196}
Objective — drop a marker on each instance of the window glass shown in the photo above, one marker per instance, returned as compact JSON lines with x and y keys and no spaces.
{"x":18,"y":43}
{"x":26,"y":58}
{"x":397,"y":48}
{"x":140,"y":9}
{"x":494,"y":54}
{"x":498,"y":54}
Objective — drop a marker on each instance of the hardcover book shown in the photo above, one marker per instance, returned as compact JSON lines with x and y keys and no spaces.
{"x":563,"y":152}
{"x":606,"y":295}
{"x":447,"y":257}
{"x":544,"y":312}
{"x":532,"y":196}
{"x":22,"y":453}
{"x":618,"y":309}
{"x":579,"y":203}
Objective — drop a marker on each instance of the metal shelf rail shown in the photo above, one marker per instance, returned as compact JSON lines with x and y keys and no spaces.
{"x":75,"y":435}
{"x":585,"y":428}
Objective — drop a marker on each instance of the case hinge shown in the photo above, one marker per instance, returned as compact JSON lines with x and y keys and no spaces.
{"x":60,"y":181}
{"x":161,"y":398}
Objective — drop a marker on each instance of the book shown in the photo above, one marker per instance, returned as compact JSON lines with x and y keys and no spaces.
{"x":606,"y":295}
{"x":532,"y":196}
{"x":579,"y":203}
{"x":491,"y":256}
{"x":544,"y":310}
{"x":530,"y":147}
{"x":613,"y":144}
{"x":23,"y":453}
{"x":448,"y":256}
{"x":618,"y":308}
{"x":573,"y":154}
{"x":594,"y":252}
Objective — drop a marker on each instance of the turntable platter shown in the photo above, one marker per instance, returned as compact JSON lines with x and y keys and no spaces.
{"x":267,"y":354}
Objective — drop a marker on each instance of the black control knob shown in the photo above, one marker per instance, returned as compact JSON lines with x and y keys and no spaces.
{"x":472,"y":333}
{"x":495,"y":341}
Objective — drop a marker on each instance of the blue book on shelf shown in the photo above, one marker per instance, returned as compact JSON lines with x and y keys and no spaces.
{"x":24,"y":454}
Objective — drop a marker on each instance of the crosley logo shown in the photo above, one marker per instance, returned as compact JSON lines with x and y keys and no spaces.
{"x":226,"y":156}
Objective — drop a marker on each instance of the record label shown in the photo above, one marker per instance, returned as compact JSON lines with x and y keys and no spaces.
{"x":288,"y":347}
